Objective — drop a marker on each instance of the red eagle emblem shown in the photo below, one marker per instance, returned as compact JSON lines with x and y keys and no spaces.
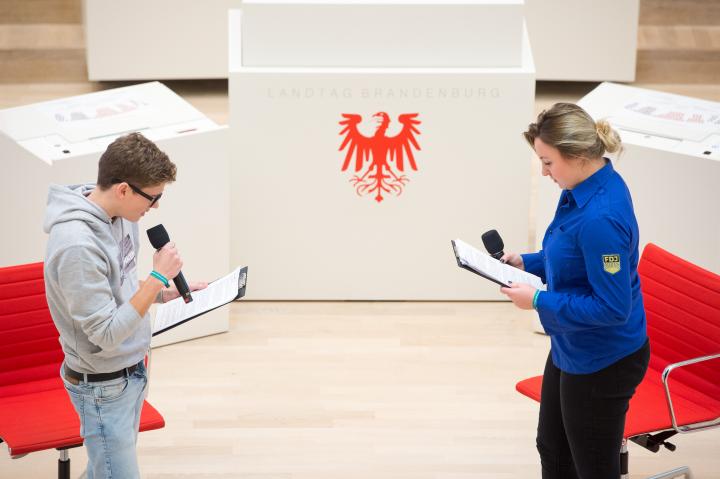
{"x":379,"y":160}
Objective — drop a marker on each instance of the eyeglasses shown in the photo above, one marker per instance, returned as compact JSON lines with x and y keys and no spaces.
{"x":150,"y":198}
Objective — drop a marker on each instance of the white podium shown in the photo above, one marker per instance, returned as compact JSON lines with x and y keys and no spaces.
{"x":183,"y":39}
{"x":61,"y":141}
{"x":671,"y":164}
{"x":158,"y":39}
{"x":311,"y":230}
{"x":583,"y":40}
{"x":405,"y":33}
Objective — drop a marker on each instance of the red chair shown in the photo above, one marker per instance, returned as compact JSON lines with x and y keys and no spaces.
{"x":681,"y":390}
{"x":35,"y":411}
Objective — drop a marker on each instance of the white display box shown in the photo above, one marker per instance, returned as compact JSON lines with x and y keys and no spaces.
{"x":194,"y":209}
{"x":401,"y":33}
{"x":306,"y":230}
{"x":583,"y":40}
{"x":158,"y":39}
{"x":671,"y":164}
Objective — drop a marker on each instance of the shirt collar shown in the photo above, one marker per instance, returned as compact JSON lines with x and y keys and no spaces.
{"x":587,"y":189}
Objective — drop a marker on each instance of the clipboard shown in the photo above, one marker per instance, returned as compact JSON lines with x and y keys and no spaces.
{"x":184,"y":318}
{"x":484,"y":265}
{"x":473,"y":270}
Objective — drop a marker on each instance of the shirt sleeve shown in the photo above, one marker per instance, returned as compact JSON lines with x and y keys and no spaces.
{"x":82,"y":273}
{"x":605,"y":245}
{"x":535,"y":264}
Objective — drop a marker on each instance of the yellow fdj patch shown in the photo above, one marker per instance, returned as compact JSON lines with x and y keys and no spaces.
{"x":611,"y":263}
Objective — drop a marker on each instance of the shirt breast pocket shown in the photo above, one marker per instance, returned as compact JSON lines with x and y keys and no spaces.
{"x":565,"y":255}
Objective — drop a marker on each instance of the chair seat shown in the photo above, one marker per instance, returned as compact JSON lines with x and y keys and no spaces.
{"x":45,"y":419}
{"x":648,"y":408}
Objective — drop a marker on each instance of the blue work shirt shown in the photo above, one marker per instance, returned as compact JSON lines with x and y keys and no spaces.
{"x":592,"y":309}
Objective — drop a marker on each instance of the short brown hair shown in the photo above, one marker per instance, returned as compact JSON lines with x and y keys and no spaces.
{"x":573,"y":132}
{"x":134,"y":159}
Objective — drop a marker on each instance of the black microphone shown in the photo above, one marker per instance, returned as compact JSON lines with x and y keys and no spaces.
{"x":493,"y":244}
{"x":159,"y":237}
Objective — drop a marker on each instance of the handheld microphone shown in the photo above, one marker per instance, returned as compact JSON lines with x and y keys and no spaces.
{"x":159,"y":237}
{"x":493,"y":244}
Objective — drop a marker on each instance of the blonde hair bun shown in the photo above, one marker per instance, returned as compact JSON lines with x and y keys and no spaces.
{"x":609,"y":137}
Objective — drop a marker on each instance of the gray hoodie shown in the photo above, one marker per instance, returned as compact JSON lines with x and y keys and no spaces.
{"x":90,"y":276}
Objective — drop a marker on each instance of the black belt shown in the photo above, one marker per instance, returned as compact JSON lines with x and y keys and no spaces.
{"x":98,"y":377}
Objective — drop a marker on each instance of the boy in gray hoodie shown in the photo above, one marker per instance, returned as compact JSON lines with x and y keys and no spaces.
{"x":96,"y":301}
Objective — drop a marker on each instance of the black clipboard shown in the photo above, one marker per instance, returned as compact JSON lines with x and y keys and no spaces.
{"x":242,"y":284}
{"x":473,"y":270}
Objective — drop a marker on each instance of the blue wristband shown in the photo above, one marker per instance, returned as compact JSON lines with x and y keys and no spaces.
{"x":535,"y":299}
{"x":160,"y":277}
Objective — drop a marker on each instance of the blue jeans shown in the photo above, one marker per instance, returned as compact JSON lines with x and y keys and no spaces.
{"x":109,"y":421}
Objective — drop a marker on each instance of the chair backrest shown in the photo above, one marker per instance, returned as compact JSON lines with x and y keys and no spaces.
{"x":29,"y":347}
{"x":682,"y":304}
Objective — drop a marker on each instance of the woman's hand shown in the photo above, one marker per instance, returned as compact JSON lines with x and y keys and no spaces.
{"x":513,"y":259}
{"x":171,"y":293}
{"x":520,"y":294}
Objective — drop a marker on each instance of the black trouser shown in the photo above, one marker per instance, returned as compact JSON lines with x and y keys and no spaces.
{"x":582,"y":418}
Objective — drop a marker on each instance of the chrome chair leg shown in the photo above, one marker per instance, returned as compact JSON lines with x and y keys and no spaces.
{"x":624,"y":460}
{"x":64,"y":464}
{"x":677,"y":472}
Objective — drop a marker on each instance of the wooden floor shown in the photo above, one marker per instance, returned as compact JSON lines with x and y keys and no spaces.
{"x":344,"y":390}
{"x":402,"y":390}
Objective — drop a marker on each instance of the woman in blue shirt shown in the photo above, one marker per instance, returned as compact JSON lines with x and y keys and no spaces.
{"x":592,"y":309}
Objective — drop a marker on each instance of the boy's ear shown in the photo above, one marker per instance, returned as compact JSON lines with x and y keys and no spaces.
{"x":121,"y":190}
